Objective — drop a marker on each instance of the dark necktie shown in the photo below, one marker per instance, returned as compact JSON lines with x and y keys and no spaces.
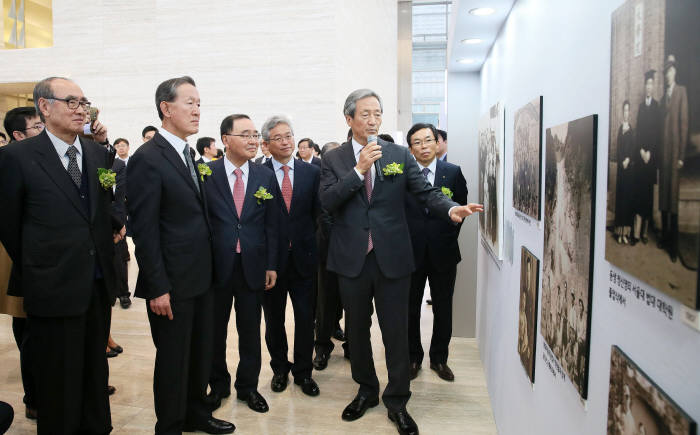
{"x":73,"y":168}
{"x":368,"y":188}
{"x":426,"y":171}
{"x":190,"y":166}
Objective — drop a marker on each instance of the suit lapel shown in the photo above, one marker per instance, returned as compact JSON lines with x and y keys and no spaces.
{"x":174,"y":158}
{"x":440,"y":175}
{"x":91,"y":166}
{"x":377,"y":188}
{"x":250,"y":188}
{"x":221,"y":180}
{"x":348,"y":158}
{"x":50,"y":162}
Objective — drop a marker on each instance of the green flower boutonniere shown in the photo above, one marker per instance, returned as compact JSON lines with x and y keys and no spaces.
{"x":204,"y":170}
{"x":447,"y":192}
{"x":107,"y":178}
{"x":262,"y":194}
{"x":393,"y":169}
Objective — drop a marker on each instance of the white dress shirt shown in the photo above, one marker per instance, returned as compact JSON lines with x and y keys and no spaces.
{"x":61,"y":148}
{"x":126,"y":160}
{"x":230,"y":167}
{"x":174,"y":141}
{"x":357,"y":147}
{"x":279,"y":172}
{"x":206,"y":159}
{"x":431,"y":167}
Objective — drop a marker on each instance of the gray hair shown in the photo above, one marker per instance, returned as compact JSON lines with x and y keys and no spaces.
{"x":167,"y":91}
{"x":351,"y":101}
{"x":43,"y":90}
{"x":272,"y":123}
{"x":329,"y":146}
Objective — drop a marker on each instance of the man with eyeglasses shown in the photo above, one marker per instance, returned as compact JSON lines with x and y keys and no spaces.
{"x":52,"y":202}
{"x":435,"y":252}
{"x":173,"y":237}
{"x":297,"y":187}
{"x":245,"y":255}
{"x":306,"y":152}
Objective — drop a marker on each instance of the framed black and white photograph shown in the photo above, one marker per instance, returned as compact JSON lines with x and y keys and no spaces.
{"x":527,"y":318}
{"x":567,"y":268}
{"x":636,"y":405}
{"x":527,"y":158}
{"x":491,"y":127}
{"x":653,"y":204}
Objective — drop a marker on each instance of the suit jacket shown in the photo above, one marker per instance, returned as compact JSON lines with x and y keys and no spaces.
{"x":343,"y":194}
{"x":434,"y":240}
{"x":56,"y":245}
{"x":256,"y":228}
{"x":298,"y":225}
{"x":675,"y":140}
{"x":169,"y":222}
{"x":119,"y":167}
{"x":316,"y":161}
{"x":261,"y":160}
{"x":200,"y":160}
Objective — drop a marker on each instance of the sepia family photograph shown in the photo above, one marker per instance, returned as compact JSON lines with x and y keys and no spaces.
{"x":527,"y":158}
{"x":569,"y":207}
{"x":637,"y":406}
{"x":653,"y":198}
{"x":491,"y":152}
{"x":527,"y":319}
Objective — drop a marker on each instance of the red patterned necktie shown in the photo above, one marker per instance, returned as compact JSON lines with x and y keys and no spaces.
{"x":238,"y":198}
{"x":368,"y":188}
{"x":286,"y":188}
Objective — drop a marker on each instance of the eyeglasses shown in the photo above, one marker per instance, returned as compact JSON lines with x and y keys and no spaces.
{"x":280,"y":138}
{"x":73,"y":104}
{"x":427,"y":141}
{"x":39,"y":128}
{"x":254,"y":136}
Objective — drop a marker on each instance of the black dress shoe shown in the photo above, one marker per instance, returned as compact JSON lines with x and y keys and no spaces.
{"x":111,"y":353}
{"x":214,"y":398}
{"x":308,"y":386}
{"x":321,"y":360}
{"x":212,"y":425}
{"x":429,"y":301}
{"x":124,"y":301}
{"x":358,"y":406}
{"x":339,"y":335}
{"x":255,"y":401}
{"x":279,"y":383}
{"x":116,"y":348}
{"x":413,"y":370}
{"x":111,"y":390}
{"x":31,"y":413}
{"x":443,"y":371}
{"x":404,"y":422}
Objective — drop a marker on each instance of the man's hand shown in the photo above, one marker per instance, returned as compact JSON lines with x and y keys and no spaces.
{"x":118,"y":237}
{"x":161,"y":306}
{"x":625,"y":162}
{"x":99,"y":132}
{"x":457,"y":214}
{"x":368,"y":155}
{"x":270,"y":279}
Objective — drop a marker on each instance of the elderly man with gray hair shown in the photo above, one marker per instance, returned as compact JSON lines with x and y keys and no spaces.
{"x":299,"y":207}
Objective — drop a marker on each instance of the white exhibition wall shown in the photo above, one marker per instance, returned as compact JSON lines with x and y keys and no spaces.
{"x":561,"y":50}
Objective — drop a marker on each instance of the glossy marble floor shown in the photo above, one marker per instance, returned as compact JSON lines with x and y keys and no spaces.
{"x":439,"y":407}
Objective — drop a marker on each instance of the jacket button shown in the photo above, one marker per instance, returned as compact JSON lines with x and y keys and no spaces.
{"x":239,"y":226}
{"x":92,"y":252}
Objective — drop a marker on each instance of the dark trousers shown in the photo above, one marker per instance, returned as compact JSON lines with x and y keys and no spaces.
{"x":248,"y":308}
{"x":670,"y":232}
{"x":183,"y":361}
{"x":70,"y":367}
{"x":442,"y":286}
{"x":391,"y":299}
{"x":121,"y":267}
{"x":21,"y":333}
{"x":328,"y":310}
{"x":300,"y":290}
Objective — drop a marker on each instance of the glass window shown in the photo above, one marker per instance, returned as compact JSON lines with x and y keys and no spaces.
{"x":27,"y":23}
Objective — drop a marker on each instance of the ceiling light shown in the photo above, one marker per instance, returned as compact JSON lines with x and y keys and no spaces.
{"x":471,"y":41}
{"x":466,"y":61}
{"x":480,"y":12}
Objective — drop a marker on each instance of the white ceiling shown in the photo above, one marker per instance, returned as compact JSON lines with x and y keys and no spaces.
{"x":463,"y":25}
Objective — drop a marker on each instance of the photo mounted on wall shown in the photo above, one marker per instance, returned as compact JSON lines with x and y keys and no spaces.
{"x":527,"y":158}
{"x":567,"y":268}
{"x":491,"y":153}
{"x":636,"y":405}
{"x":527,"y":323}
{"x":653,"y":209}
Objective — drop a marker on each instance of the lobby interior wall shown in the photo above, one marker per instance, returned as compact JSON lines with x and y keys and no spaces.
{"x":561,"y":50}
{"x":300,"y":59}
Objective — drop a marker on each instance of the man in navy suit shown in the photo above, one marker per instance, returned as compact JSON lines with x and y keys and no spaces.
{"x":299,"y":206}
{"x":370,"y":249}
{"x":435,"y":250}
{"x":244,"y":223}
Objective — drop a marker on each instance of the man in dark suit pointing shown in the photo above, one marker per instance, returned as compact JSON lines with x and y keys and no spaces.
{"x":371,"y":252}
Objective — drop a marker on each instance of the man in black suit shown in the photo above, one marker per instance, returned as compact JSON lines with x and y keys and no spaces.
{"x":206,"y":147}
{"x":52,"y":202}
{"x":245,"y":253}
{"x":173,"y":238}
{"x":121,"y":250}
{"x":266,"y":155}
{"x":299,"y":207}
{"x":442,"y":145}
{"x":306,"y":152}
{"x":435,"y":250}
{"x":370,"y":249}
